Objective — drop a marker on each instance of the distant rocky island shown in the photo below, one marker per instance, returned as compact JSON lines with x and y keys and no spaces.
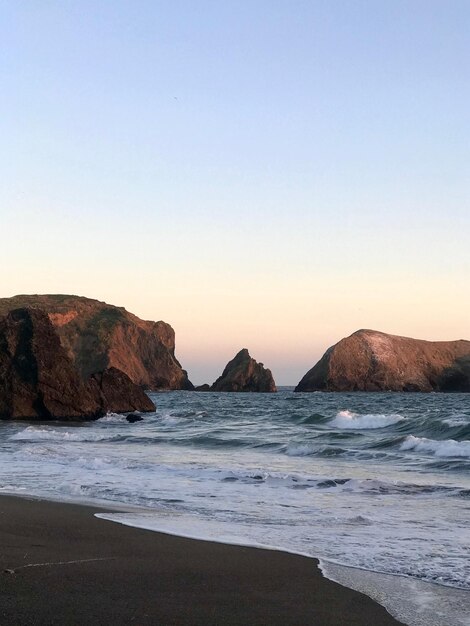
{"x":70,"y":357}
{"x":39,"y":381}
{"x":97,"y":336}
{"x":370,"y":360}
{"x":243,"y":374}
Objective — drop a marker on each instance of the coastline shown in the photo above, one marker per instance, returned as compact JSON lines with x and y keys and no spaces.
{"x":70,"y":567}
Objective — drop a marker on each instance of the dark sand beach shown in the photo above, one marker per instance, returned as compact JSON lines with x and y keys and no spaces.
{"x":61,"y":565}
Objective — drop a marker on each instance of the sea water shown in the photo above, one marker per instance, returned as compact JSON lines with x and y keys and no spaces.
{"x":367,"y":482}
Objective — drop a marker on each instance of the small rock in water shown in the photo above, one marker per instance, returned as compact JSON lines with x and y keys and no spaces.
{"x":204,"y":387}
{"x":134,"y":417}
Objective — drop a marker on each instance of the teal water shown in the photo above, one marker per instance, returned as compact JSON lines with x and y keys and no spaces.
{"x":373,"y":481}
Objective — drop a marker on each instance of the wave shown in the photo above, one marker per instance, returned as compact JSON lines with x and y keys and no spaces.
{"x":447,"y":448}
{"x":82,"y":459}
{"x":310,"y":449}
{"x":349,"y":420}
{"x":315,"y":418}
{"x":78,"y":433}
{"x":457,"y":420}
{"x":113,"y":418}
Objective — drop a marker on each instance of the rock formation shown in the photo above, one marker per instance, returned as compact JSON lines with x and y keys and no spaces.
{"x":243,"y":373}
{"x":204,"y":387}
{"x":369,"y":360}
{"x":98,"y":336}
{"x":132,"y":418}
{"x":115,"y":391}
{"x":38,"y":380}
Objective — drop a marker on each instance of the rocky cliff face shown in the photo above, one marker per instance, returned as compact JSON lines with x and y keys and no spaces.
{"x":97,"y":336}
{"x":115,"y":392}
{"x":39,"y":381}
{"x":243,"y":373}
{"x":369,"y":360}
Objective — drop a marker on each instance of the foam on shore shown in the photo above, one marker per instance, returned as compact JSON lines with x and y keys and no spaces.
{"x":411,"y":601}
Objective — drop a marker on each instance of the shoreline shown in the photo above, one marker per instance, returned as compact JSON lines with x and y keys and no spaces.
{"x":71,"y":567}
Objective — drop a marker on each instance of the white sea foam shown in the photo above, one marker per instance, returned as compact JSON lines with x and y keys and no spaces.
{"x":446,"y":448}
{"x":414,"y":602}
{"x":175,"y":418}
{"x":325,"y":493}
{"x":45,"y":433}
{"x":457,"y":420}
{"x":169,"y":419}
{"x":355,"y":421}
{"x":113,"y":418}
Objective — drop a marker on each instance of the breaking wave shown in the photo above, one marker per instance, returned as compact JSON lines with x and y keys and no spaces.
{"x":448,"y":448}
{"x":77,"y":433}
{"x":349,"y":420}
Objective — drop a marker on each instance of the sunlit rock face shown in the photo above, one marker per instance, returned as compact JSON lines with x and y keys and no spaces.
{"x":97,"y":336}
{"x":369,"y":360}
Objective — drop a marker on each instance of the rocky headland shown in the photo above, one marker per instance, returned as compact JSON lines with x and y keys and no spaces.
{"x":97,"y":336}
{"x":38,"y":379}
{"x":243,"y":373}
{"x":370,"y":360}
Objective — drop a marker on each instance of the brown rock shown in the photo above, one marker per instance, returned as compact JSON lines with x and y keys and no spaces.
{"x":97,"y":336}
{"x":38,"y":380}
{"x":115,"y":391}
{"x":204,"y":387}
{"x":243,"y":373}
{"x":369,"y":360}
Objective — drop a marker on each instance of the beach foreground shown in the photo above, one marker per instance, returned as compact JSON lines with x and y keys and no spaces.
{"x":61,"y":565}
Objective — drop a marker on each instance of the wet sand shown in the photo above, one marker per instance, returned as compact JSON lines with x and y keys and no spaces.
{"x":61,"y":565}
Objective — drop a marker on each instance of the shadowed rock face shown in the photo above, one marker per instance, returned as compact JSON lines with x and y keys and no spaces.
{"x":369,"y":360}
{"x":97,"y":336}
{"x":39,"y":381}
{"x":116,"y":391}
{"x":243,"y":373}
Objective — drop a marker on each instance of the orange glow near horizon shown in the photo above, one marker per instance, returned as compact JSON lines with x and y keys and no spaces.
{"x":285,"y":325}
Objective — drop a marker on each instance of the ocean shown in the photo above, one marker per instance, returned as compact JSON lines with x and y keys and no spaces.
{"x":375,"y":485}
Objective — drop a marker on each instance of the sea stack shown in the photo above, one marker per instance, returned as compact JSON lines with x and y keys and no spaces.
{"x":39,"y":381}
{"x":370,"y":360}
{"x":243,"y":373}
{"x":98,"y":336}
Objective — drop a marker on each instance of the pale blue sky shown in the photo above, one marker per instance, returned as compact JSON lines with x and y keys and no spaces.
{"x":258,"y":173}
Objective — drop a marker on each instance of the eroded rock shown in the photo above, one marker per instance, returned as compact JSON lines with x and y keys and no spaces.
{"x":114,"y":390}
{"x":98,"y":336}
{"x":243,"y":373}
{"x":370,"y":360}
{"x":38,"y":380}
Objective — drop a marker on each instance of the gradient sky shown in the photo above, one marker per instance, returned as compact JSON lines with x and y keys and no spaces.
{"x":263,"y":174}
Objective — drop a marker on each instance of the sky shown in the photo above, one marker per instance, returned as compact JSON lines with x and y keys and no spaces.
{"x":263,"y":174}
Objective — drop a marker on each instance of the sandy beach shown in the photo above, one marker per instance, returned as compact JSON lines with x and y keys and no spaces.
{"x":61,"y":565}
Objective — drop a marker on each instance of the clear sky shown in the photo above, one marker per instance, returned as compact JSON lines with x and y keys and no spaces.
{"x":264,"y":174}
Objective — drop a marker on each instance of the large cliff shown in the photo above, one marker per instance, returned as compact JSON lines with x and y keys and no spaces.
{"x":38,"y":380}
{"x":369,"y":360}
{"x":97,"y":336}
{"x":243,"y":373}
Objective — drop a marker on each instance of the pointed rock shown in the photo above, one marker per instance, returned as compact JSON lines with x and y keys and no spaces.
{"x":243,"y":373}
